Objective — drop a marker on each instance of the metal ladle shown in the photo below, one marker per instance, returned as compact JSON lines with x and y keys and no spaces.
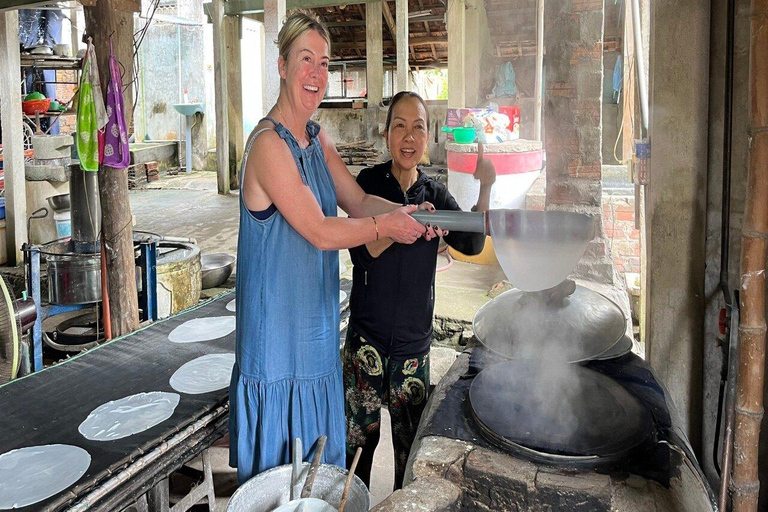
{"x":536,"y":249}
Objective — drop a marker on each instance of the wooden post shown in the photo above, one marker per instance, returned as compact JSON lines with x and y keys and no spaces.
{"x":754,"y":248}
{"x":13,"y":136}
{"x":220,"y":82}
{"x":374,"y":65}
{"x":401,"y":22}
{"x":102,"y":20}
{"x":539,"y":77}
{"x":233,"y":32}
{"x":628,"y":88}
{"x":274,"y":16}
{"x":456,"y":29}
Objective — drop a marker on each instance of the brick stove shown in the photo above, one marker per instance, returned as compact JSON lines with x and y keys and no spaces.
{"x":455,"y":465}
{"x":447,"y":474}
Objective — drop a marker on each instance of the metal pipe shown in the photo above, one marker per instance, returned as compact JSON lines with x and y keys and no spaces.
{"x":113,"y":483}
{"x":453,"y":220}
{"x":640,"y":58}
{"x":730,"y":401}
{"x":729,"y":367}
{"x":725,"y":228}
{"x":106,"y":315}
{"x":752,"y":329}
{"x":539,"y":70}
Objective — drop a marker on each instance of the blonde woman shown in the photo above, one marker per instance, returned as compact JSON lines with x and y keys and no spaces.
{"x":286,"y":382}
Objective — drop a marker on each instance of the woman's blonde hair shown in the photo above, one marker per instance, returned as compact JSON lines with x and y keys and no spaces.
{"x":296,"y":24}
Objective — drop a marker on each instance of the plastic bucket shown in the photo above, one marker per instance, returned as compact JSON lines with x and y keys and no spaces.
{"x":63,"y":223}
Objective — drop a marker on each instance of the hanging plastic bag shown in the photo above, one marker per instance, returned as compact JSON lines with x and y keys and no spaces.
{"x":116,"y":153}
{"x":506,"y":85}
{"x":91,"y":114}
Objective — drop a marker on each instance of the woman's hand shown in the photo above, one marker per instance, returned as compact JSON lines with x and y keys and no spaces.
{"x":485,"y":172}
{"x":432,"y":230}
{"x":400,"y":226}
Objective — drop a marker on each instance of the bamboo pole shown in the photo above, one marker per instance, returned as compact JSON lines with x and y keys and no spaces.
{"x":752,"y":329}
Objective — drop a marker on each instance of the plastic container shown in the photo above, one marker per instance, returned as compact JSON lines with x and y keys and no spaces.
{"x":513,"y":113}
{"x":461,"y":134}
{"x":63,"y":223}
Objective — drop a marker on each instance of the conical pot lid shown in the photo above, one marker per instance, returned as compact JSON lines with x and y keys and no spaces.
{"x":579,"y":327}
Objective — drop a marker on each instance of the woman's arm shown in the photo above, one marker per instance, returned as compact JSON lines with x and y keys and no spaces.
{"x":485,"y":172}
{"x":272,"y":175}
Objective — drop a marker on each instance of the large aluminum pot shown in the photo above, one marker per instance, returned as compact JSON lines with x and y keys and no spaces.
{"x":271,"y":489}
{"x":73,"y":278}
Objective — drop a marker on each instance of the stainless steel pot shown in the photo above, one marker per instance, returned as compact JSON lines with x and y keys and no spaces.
{"x":271,"y":489}
{"x":73,"y":278}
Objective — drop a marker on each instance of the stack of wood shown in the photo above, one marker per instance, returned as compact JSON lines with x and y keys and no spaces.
{"x":359,"y":153}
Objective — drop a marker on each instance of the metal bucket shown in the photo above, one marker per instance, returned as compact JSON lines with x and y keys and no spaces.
{"x":73,"y":278}
{"x":179,"y":280}
{"x":269,"y":490}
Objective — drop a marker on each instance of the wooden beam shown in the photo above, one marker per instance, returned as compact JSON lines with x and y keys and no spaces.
{"x":273,"y":21}
{"x":257,"y":6}
{"x":374,"y":65}
{"x":390,"y":20}
{"x":539,"y":73}
{"x":456,"y":70}
{"x":220,"y":99}
{"x":13,"y":137}
{"x":403,"y":69}
{"x":233,"y":33}
{"x":415,"y":41}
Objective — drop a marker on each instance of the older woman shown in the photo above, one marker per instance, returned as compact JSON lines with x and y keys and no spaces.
{"x":286,"y":382}
{"x":386,"y":355}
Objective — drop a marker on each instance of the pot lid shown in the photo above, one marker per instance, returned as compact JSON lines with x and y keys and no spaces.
{"x":557,"y":410}
{"x":522,"y":325}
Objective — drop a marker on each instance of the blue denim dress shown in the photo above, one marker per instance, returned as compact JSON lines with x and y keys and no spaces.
{"x":286,"y":382}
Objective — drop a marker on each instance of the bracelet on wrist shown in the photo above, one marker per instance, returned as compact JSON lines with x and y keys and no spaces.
{"x":376,"y":227}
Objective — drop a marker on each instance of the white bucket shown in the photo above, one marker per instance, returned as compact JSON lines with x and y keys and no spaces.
{"x":63,"y":223}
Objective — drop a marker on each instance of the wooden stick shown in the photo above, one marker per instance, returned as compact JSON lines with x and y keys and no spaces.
{"x":350,"y":477}
{"x":752,"y":328}
{"x":307,"y":490}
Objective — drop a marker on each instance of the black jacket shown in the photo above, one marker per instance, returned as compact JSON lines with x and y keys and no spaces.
{"x":393,"y":296}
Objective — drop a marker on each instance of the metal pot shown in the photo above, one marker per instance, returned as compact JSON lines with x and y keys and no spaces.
{"x":270,"y":489}
{"x":73,"y":278}
{"x":60,"y":202}
{"x":216,"y":269}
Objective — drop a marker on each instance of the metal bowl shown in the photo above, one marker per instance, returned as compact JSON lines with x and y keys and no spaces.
{"x":60,"y":202}
{"x":216,"y":268}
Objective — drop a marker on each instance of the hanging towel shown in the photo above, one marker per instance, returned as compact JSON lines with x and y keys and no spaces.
{"x":91,"y":114}
{"x":116,"y":136}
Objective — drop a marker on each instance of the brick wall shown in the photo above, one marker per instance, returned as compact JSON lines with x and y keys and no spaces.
{"x":573,"y":37}
{"x":64,"y":93}
{"x":619,"y":225}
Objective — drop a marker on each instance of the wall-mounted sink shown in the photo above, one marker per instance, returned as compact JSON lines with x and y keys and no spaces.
{"x":189,"y":109}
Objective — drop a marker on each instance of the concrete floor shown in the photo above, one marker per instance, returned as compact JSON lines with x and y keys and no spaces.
{"x":189,"y":206}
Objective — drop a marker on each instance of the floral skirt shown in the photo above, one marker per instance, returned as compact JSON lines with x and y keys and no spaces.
{"x":371,"y":380}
